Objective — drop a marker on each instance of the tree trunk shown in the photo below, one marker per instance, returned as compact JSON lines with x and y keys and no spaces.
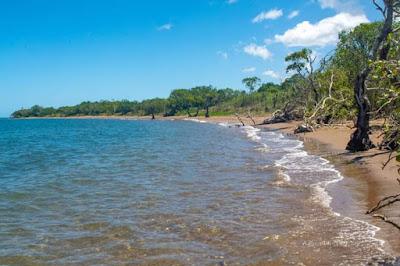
{"x":360,"y":138}
{"x":207,"y":113}
{"x":197,"y":112}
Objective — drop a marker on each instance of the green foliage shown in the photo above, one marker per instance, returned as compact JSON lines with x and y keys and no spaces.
{"x":251,"y":83}
{"x":192,"y":102}
{"x":354,"y":49}
{"x":299,"y":61}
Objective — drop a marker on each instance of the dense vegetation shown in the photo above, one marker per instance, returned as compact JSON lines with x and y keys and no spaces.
{"x":359,"y":80}
{"x":196,"y":101}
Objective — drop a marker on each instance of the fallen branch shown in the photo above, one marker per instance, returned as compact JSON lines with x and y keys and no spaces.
{"x":391,"y":157}
{"x":321,"y":105}
{"x":386,"y":220}
{"x":391,"y":199}
{"x":251,"y":118}
{"x":240,"y":120}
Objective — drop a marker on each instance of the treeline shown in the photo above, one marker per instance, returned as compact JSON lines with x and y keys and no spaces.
{"x":201,"y":100}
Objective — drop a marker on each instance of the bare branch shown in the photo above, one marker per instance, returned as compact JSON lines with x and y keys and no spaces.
{"x":386,"y":220}
{"x":240,"y":119}
{"x":251,"y":118}
{"x":391,"y":157}
{"x":381,"y":204}
{"x":378,"y":7}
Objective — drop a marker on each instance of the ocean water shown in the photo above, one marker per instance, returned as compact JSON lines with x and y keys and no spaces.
{"x":123,"y":192}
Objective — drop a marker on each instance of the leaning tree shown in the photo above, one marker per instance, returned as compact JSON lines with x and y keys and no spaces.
{"x":360,"y":140}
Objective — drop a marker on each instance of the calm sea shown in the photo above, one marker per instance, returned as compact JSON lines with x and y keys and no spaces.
{"x":119,"y":192}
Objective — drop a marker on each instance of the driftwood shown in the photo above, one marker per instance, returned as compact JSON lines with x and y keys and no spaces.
{"x":384,"y":203}
{"x":387,"y":201}
{"x":240,"y":119}
{"x":288,"y":113}
{"x":303,"y":129}
{"x":386,"y":220}
{"x":251,"y":118}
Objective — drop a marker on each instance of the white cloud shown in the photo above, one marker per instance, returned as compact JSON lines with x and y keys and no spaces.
{"x":249,"y":70}
{"x":224,"y":55}
{"x":351,"y":6}
{"x":268,"y":41}
{"x":167,"y":26}
{"x":293,"y":14}
{"x":322,"y":33}
{"x":271,"y":14}
{"x":271,"y":74}
{"x":230,"y":2}
{"x":258,"y":51}
{"x":329,"y":3}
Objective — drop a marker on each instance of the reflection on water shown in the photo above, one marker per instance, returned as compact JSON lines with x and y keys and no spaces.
{"x":103,"y":192}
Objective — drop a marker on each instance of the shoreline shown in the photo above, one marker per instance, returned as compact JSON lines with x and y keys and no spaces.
{"x":362,"y":171}
{"x":364,"y":168}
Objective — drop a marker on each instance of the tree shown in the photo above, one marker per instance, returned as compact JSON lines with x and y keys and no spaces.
{"x":181,"y":100}
{"x":360,"y":138}
{"x":153,"y":107}
{"x":271,"y":91}
{"x":302,"y":63}
{"x":251,"y":83}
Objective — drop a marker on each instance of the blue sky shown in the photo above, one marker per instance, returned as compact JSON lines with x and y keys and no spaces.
{"x":55,"y":53}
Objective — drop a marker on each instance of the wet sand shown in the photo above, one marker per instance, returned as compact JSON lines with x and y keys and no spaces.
{"x":362,"y":170}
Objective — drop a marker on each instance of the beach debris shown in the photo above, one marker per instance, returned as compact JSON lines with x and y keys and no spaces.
{"x":251,"y":118}
{"x":240,"y":119}
{"x":288,"y":113}
{"x":303,"y":129}
{"x":383,"y":203}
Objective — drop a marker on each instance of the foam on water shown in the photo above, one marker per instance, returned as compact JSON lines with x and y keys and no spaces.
{"x":298,"y":167}
{"x":195,"y":120}
{"x":252,"y":133}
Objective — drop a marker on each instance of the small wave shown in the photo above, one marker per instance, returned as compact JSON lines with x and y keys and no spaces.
{"x":281,"y":179}
{"x":252,"y":133}
{"x":224,"y":124}
{"x":264,"y":148}
{"x":297,"y":167}
{"x":195,"y":120}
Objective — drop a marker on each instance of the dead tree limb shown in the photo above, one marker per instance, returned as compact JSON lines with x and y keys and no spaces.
{"x":381,"y":204}
{"x":391,"y":157}
{"x":240,"y":119}
{"x":386,"y":220}
{"x":251,"y":118}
